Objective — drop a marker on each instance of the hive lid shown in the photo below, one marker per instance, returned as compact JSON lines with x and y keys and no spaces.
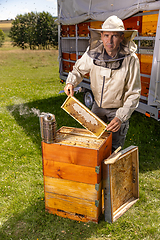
{"x":84,"y":116}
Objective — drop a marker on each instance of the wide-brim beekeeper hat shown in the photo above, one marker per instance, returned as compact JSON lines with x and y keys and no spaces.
{"x":111,"y":24}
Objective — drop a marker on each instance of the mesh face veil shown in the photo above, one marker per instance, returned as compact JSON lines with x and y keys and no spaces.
{"x":96,"y":48}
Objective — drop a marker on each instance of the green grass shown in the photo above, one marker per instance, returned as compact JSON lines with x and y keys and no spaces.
{"x":29,"y":84}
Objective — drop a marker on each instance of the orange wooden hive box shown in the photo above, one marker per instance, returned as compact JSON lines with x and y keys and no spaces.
{"x":72,"y":173}
{"x":83,"y":29}
{"x":149,"y":24}
{"x":145,"y":67}
{"x":72,"y":30}
{"x":65,"y":55}
{"x":96,"y":24}
{"x":66,"y":66}
{"x":64,"y":30}
{"x":133,"y":23}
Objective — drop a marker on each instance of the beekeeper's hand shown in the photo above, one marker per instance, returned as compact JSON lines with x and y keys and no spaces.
{"x":69,"y":89}
{"x":114,"y":125}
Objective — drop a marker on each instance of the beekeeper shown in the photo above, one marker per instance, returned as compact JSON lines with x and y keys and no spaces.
{"x":114,"y":72}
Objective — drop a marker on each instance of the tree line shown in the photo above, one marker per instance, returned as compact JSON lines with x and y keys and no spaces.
{"x":34,"y":30}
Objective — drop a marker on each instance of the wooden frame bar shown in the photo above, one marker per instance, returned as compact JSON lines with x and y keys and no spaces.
{"x":120,"y":183}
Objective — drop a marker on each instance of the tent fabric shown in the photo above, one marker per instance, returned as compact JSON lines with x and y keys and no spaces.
{"x":76,"y":11}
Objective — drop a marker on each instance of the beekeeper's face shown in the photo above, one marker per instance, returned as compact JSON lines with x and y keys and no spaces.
{"x":111,"y":42}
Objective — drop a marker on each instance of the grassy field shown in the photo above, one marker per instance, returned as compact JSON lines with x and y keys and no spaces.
{"x":29,"y":85}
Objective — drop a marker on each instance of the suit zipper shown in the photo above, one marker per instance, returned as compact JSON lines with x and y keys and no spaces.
{"x":102,"y":90}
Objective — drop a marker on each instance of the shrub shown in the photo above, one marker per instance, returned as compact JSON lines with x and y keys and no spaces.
{"x":2,"y":37}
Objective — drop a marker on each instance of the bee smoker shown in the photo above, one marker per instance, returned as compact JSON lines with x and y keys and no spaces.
{"x":48,"y":127}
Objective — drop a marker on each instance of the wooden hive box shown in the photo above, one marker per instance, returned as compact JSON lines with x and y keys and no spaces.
{"x":65,"y":55}
{"x":145,"y":68}
{"x":149,"y":24}
{"x":144,"y":89}
{"x":73,"y":56}
{"x":72,"y":30}
{"x":72,"y":173}
{"x":96,"y":24}
{"x":133,"y":23}
{"x":145,"y":63}
{"x":64,"y":30}
{"x":83,"y":29}
{"x":66,"y":66}
{"x":71,"y":65}
{"x":120,"y":183}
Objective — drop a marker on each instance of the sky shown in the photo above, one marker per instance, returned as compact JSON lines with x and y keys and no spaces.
{"x":10,"y":8}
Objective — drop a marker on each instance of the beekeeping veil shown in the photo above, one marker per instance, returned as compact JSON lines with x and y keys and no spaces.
{"x":97,"y":51}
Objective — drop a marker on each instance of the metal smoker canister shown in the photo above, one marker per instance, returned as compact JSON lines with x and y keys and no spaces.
{"x":48,"y":127}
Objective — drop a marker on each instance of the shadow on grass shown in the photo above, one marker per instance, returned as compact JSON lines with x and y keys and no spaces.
{"x":27,"y":115}
{"x":35,"y":223}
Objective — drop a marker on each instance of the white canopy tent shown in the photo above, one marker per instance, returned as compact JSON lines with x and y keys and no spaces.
{"x":76,"y":11}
